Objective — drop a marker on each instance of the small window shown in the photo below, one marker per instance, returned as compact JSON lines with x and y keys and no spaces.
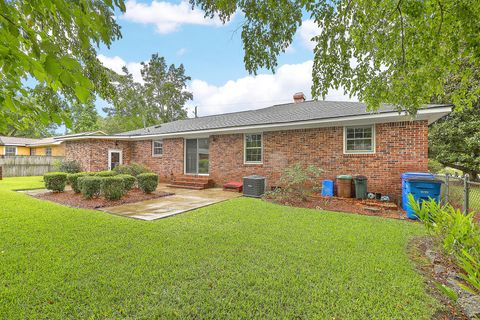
{"x":359,"y":139}
{"x":10,"y":151}
{"x":33,"y":151}
{"x":253,"y":148}
{"x":48,"y":151}
{"x":157,"y":148}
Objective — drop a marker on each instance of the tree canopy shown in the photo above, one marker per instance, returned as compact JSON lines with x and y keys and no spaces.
{"x":52,"y":43}
{"x":455,"y":141}
{"x":160,"y":98}
{"x":390,"y":51}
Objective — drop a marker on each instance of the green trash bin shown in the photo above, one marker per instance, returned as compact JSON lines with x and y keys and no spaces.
{"x":360,"y":187}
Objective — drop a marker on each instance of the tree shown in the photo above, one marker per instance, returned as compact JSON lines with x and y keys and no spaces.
{"x":164,"y":90}
{"x":390,"y":51}
{"x":52,"y":43}
{"x":31,"y":125}
{"x":455,"y":141}
{"x":84,"y":117}
{"x":161,"y":98}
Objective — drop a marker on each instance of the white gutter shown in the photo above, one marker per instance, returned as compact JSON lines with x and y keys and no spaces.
{"x":394,"y":116}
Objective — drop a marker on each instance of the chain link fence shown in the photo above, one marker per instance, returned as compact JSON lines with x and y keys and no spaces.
{"x":460,"y":192}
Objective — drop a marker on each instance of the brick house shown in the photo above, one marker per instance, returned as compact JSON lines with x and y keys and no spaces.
{"x":339,"y":137}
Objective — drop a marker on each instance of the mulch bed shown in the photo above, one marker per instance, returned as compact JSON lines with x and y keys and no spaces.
{"x":76,"y":200}
{"x":350,"y":205}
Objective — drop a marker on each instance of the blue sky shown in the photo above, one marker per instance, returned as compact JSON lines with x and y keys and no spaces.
{"x":212,"y":54}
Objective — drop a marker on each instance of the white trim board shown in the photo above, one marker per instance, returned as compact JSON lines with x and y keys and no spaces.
{"x":110,"y":151}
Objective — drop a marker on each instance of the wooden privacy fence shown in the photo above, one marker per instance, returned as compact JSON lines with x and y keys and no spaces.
{"x":19,"y":166}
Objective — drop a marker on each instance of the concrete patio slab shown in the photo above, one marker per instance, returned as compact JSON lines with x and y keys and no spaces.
{"x":183,"y":200}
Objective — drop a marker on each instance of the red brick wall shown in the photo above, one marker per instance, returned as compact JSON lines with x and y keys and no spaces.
{"x":170,"y":163}
{"x":400,"y":147}
{"x":93,"y":154}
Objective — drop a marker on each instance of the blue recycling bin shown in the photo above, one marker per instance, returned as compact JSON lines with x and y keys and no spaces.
{"x":327,"y":188}
{"x":423,"y":186}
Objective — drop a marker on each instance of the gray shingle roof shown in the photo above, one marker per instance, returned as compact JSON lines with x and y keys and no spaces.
{"x":4,"y":140}
{"x":283,"y":113}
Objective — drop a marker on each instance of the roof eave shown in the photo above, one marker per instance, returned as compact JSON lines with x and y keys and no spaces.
{"x":431,"y":115}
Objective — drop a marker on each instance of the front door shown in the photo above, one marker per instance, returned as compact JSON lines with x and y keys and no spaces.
{"x":196,"y":156}
{"x":114,"y":158}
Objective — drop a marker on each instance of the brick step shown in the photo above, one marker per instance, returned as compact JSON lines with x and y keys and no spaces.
{"x":185,"y":187}
{"x":192,"y":179}
{"x":190,"y":183}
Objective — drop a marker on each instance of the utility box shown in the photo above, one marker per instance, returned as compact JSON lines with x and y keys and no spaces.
{"x":254,"y":186}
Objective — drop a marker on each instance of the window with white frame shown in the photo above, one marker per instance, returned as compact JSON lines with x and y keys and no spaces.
{"x":48,"y":151}
{"x":10,"y":150}
{"x":33,"y":151}
{"x":253,"y":147}
{"x":157,"y":147}
{"x":359,"y":139}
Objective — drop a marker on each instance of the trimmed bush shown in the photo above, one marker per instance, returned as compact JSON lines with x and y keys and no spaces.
{"x":90,"y":186}
{"x":55,"y":181}
{"x":147,"y":182}
{"x":70,"y":166}
{"x":133,"y":169}
{"x":72,"y":179}
{"x":112,"y":187}
{"x":128,"y":181}
{"x":105,"y":173}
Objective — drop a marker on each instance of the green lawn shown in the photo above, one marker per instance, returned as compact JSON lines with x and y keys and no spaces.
{"x":243,"y":258}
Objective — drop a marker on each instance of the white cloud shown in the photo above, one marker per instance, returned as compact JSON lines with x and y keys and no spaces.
{"x":116,"y":64}
{"x":253,"y":92}
{"x":181,"y":52}
{"x":167,"y":17}
{"x":307,"y":31}
{"x":246,"y":93}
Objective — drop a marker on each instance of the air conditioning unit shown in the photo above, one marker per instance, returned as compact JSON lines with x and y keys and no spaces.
{"x":254,"y":186}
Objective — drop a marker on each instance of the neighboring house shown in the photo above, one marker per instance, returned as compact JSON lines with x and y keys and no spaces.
{"x":13,"y":146}
{"x":339,"y":137}
{"x":52,"y":146}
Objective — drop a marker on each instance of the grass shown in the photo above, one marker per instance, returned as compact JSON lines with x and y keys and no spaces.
{"x":243,"y":258}
{"x":456,"y":195}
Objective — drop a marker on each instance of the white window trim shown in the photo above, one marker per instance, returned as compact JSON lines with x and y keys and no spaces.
{"x":374,"y":145}
{"x":16,"y":150}
{"x":245,"y":148}
{"x":153,"y":148}
{"x":110,"y":157}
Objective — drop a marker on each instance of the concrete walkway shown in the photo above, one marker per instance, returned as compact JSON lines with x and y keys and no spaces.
{"x":183,"y":200}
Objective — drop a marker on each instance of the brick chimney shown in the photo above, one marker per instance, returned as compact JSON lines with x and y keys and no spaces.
{"x":298,"y":97}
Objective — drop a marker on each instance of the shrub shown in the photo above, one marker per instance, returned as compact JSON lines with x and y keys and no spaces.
{"x":55,"y":181}
{"x":147,"y":182}
{"x":133,"y":169}
{"x":297,"y":182}
{"x":106,"y":173}
{"x":72,"y":179}
{"x":458,"y":233}
{"x":128,"y":181}
{"x":90,"y":186}
{"x":70,"y":166}
{"x":434,"y":166}
{"x":112,"y":187}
